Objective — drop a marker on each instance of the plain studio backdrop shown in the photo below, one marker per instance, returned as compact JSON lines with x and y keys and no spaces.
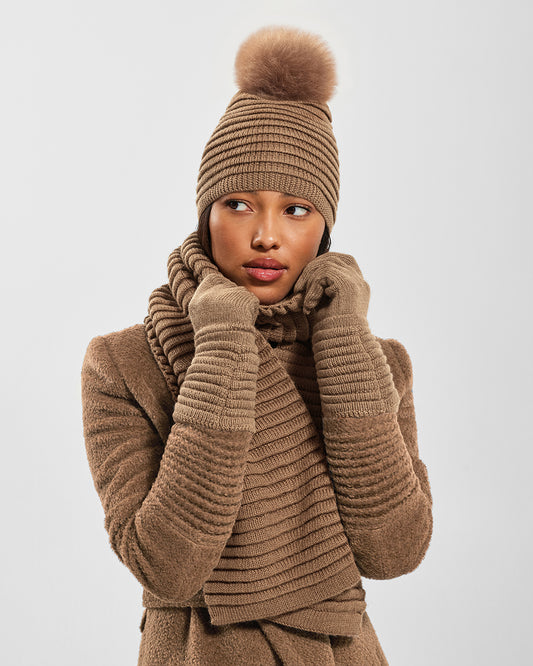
{"x":105,"y":109}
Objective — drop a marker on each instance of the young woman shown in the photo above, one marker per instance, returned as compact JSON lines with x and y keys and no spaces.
{"x":253,"y":444}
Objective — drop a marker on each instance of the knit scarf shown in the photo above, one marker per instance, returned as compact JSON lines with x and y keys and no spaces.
{"x":288,"y":559}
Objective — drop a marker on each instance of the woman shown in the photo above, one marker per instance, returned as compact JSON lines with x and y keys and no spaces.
{"x":252,"y":442}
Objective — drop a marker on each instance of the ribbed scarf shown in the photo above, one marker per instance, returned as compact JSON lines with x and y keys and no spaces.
{"x":288,"y":559}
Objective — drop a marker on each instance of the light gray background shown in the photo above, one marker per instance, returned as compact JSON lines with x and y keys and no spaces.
{"x":105,"y":110}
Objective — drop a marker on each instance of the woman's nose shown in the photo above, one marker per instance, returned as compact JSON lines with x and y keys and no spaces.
{"x":266,"y":232}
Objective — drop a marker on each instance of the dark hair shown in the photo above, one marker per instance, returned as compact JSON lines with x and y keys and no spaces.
{"x":205,"y":237}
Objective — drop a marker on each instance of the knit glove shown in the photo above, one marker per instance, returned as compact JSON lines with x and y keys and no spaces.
{"x":220,"y":386}
{"x":338,"y":278}
{"x":220,"y":302}
{"x":353,"y":375}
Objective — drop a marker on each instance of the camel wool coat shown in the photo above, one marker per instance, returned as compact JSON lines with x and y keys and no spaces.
{"x":250,"y":512}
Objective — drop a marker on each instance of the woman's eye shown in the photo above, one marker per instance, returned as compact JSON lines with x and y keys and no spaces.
{"x":293,"y":210}
{"x":234,"y":204}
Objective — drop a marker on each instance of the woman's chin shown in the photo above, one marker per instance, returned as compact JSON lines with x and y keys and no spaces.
{"x":269,"y":296}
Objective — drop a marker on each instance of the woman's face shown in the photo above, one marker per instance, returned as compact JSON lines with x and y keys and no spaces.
{"x":272,"y":228}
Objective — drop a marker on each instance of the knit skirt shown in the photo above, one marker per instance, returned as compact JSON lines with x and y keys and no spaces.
{"x":172,"y":636}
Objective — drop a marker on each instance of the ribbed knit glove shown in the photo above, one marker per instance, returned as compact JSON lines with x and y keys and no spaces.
{"x":219,"y":301}
{"x":383,"y":505}
{"x":352,"y":371}
{"x":338,"y":277}
{"x":220,"y":385}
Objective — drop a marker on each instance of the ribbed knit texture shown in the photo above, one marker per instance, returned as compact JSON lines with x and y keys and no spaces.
{"x":181,"y":496}
{"x":266,"y":144}
{"x":354,"y":376}
{"x":287,"y":557}
{"x":221,"y":389}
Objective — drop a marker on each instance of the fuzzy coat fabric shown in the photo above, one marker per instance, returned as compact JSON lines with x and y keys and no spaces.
{"x":249,"y":534}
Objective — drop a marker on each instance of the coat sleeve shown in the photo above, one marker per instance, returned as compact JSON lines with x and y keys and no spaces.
{"x":382,"y":485}
{"x":170,"y":507}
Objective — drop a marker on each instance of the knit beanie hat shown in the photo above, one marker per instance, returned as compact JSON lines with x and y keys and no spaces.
{"x":276,"y":132}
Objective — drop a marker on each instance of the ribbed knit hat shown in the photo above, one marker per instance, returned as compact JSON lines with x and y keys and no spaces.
{"x":276,"y":132}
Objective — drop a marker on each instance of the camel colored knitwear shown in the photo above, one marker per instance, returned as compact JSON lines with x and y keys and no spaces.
{"x":226,"y":479}
{"x":268,"y":144}
{"x":286,"y":554}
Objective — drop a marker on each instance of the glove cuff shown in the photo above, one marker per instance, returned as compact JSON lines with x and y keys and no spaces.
{"x":353,"y":375}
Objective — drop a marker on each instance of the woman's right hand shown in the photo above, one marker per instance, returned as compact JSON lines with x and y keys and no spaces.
{"x":218,"y":300}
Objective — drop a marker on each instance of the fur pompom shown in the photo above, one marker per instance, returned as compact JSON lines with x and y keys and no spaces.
{"x":287,"y":64}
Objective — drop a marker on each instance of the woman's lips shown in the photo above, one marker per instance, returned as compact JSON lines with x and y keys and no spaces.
{"x":265,"y":274}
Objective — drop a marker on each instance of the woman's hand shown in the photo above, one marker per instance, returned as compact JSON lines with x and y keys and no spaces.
{"x":354,"y":378}
{"x":218,"y":300}
{"x":337,"y":277}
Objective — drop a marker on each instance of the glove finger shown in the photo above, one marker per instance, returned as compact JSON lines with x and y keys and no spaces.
{"x":331,"y":290}
{"x":312,"y":296}
{"x":215,"y":278}
{"x":345,"y":262}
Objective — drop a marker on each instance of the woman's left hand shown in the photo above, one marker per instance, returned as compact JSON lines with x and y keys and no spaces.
{"x":339,"y":278}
